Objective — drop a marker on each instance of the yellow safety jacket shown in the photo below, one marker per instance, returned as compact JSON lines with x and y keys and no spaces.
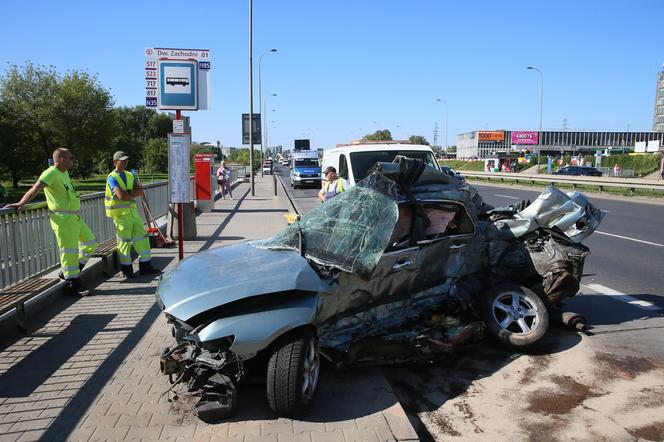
{"x":61,"y":197}
{"x":115,"y":207}
{"x":339,"y":186}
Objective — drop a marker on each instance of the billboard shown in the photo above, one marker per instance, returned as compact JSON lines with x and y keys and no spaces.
{"x":525,"y":137}
{"x":491,"y":135}
{"x":302,"y":144}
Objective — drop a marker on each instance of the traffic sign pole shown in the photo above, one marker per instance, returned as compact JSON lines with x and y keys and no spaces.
{"x":178,"y":116}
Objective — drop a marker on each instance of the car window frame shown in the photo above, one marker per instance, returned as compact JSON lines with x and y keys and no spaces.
{"x":427,"y":242}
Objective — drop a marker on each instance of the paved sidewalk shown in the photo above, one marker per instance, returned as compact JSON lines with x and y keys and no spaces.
{"x":90,"y":370}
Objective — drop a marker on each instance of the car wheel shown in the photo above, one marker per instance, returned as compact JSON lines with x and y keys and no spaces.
{"x":292,"y":373}
{"x":515,"y":316}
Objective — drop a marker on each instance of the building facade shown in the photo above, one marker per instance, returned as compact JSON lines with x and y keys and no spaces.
{"x":658,"y":118}
{"x":482,"y":143}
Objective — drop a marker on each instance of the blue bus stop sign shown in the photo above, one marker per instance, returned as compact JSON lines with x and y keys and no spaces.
{"x":178,"y":84}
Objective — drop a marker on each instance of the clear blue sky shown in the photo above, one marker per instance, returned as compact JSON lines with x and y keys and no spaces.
{"x":346,"y":68}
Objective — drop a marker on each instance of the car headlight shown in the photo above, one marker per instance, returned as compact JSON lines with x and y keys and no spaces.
{"x":296,"y":174}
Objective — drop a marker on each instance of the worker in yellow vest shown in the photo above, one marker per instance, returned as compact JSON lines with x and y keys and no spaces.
{"x":74,"y":238}
{"x":333,"y":185}
{"x":122,"y":189}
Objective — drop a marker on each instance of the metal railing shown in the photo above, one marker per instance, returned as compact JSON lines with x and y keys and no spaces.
{"x":599,"y":182}
{"x":27,"y":244}
{"x":609,"y":171}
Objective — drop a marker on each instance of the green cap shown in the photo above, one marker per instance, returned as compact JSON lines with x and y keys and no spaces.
{"x":120,"y":155}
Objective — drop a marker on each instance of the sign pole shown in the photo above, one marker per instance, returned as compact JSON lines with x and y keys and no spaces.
{"x":178,"y":116}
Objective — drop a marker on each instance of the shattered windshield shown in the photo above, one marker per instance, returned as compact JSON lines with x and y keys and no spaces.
{"x":361,"y":162}
{"x":349,"y":232}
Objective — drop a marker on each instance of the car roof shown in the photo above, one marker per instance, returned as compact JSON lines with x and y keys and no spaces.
{"x":369,"y":147}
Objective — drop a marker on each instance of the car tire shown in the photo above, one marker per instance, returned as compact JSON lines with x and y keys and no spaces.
{"x":515,"y":316}
{"x":292,"y":373}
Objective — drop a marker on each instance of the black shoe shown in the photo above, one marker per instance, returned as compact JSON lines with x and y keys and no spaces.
{"x":62,"y":275}
{"x":128,"y":271}
{"x":75,"y":288}
{"x":146,"y":268}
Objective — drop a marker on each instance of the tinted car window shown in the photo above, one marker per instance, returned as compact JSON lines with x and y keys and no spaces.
{"x":306,"y":162}
{"x":361,"y":162}
{"x":343,"y":167}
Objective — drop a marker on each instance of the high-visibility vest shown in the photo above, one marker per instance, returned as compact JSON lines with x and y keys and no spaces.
{"x":340,"y":186}
{"x":115,"y":207}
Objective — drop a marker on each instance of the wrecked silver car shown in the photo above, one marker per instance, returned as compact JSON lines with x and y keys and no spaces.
{"x":407,"y":264}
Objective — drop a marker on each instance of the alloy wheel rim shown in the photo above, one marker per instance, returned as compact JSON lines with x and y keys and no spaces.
{"x":310,"y":370}
{"x":516,"y":313}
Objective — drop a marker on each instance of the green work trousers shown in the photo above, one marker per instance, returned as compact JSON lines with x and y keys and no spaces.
{"x":75,"y":241}
{"x":131,"y":231}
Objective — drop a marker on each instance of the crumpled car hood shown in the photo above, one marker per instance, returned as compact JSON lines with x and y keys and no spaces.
{"x":570,"y":212}
{"x":222,"y":275}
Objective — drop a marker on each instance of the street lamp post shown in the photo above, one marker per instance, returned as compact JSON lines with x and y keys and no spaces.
{"x":266,"y":140}
{"x":260,"y":102}
{"x":445,"y":103}
{"x":267,"y":133}
{"x":539,"y":140}
{"x":251,"y":97}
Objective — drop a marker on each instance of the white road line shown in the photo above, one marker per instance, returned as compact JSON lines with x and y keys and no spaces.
{"x":623,"y":297}
{"x":630,"y":239}
{"x":504,"y":196}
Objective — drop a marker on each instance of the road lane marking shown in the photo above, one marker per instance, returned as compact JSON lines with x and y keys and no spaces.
{"x":507,"y":196}
{"x":630,"y":239}
{"x":623,"y":297}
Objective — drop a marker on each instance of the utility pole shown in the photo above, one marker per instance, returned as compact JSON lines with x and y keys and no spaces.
{"x":251,"y":99}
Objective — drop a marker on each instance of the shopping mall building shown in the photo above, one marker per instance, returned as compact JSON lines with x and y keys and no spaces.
{"x":485,"y":143}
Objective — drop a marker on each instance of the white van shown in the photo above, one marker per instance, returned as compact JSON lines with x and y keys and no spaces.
{"x":353,"y":161}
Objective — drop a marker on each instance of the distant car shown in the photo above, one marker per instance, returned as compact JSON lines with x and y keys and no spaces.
{"x":267,"y":167}
{"x":578,"y":170}
{"x":447,"y":170}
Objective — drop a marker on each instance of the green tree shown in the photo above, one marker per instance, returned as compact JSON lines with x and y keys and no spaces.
{"x":379,"y":135}
{"x":241,"y":157}
{"x":135,"y":127}
{"x":418,"y":139}
{"x":27,"y":130}
{"x":155,"y":155}
{"x":84,"y":120}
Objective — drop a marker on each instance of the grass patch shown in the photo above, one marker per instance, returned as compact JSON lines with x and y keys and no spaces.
{"x":95,"y":183}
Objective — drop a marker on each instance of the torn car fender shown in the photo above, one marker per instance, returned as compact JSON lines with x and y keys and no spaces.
{"x":257,"y":330}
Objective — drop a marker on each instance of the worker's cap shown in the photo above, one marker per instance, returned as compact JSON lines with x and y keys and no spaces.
{"x":120,"y":155}
{"x":329,"y":169}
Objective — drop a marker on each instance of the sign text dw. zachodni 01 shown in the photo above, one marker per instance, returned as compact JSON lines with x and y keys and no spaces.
{"x":202,"y":56}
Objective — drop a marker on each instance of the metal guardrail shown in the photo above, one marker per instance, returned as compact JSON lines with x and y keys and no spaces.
{"x":599,"y":182}
{"x":27,"y":243}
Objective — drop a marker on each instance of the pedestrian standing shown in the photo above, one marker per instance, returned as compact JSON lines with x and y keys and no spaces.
{"x":122,"y":189}
{"x":75,"y":240}
{"x":333,"y":185}
{"x":616,"y":170}
{"x":224,"y":180}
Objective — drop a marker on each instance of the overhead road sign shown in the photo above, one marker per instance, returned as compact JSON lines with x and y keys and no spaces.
{"x":152,"y":84}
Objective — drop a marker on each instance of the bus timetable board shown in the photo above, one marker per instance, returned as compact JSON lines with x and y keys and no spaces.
{"x":152,"y":83}
{"x":178,"y":168}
